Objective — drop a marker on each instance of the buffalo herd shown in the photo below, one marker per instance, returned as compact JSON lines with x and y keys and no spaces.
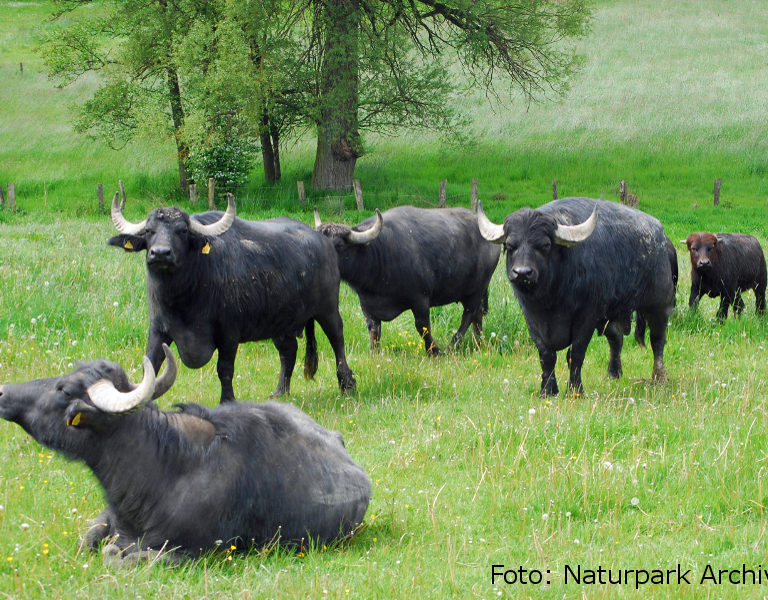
{"x":248,"y":474}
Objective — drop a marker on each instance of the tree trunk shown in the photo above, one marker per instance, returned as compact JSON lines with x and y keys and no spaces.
{"x":177,"y":113}
{"x":270,"y":150}
{"x":267,"y":154}
{"x":276,"y":154}
{"x":338,"y":139}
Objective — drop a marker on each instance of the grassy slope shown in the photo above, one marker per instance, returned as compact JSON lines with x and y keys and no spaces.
{"x":470,"y":467}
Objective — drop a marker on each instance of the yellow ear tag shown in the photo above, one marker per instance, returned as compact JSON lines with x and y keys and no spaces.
{"x":207,"y":248}
{"x":75,"y":421}
{"x":128,"y":245}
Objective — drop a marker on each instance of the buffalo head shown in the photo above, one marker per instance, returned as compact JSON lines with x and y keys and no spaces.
{"x":167,"y":234}
{"x":528,"y":237}
{"x":703,"y":250}
{"x":59,"y":411}
{"x":343,"y":235}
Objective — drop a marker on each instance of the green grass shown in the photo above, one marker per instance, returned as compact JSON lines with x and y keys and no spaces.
{"x":470,"y":467}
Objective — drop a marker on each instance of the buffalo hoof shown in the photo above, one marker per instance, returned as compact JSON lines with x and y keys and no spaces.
{"x":95,"y":534}
{"x":115,"y":558}
{"x":347,"y":382}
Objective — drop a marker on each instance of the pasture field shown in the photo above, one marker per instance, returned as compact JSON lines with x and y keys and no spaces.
{"x":470,"y":468}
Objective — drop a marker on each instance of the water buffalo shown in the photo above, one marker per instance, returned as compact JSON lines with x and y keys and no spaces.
{"x":412,"y":259}
{"x":726,"y":264}
{"x":639,"y":321}
{"x":577,"y":265}
{"x":187,"y":480}
{"x":214,"y":281}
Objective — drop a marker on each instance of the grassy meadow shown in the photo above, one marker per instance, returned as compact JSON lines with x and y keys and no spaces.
{"x":470,"y":468}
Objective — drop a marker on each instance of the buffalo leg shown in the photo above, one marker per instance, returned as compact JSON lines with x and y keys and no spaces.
{"x":738,"y":304}
{"x":693,"y":299}
{"x":310,"y":356}
{"x":423,"y":326}
{"x":225,"y":368}
{"x":98,"y":529}
{"x":286,"y":348}
{"x":477,"y":324}
{"x":374,"y":329}
{"x":575,"y":356}
{"x":333,"y":327}
{"x":469,"y":316}
{"x":547,"y":360}
{"x":725,"y":301}
{"x":760,"y":298}
{"x":615,"y":342}
{"x":657,"y":326}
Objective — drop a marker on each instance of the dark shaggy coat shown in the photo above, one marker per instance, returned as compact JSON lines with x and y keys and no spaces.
{"x":422,"y":258}
{"x":188,"y":480}
{"x":258,"y":280}
{"x":724,"y":265}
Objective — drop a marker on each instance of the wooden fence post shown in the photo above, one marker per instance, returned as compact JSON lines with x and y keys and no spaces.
{"x":358,"y":194}
{"x":302,"y":196}
{"x":21,"y":68}
{"x":623,"y":191}
{"x":11,"y":196}
{"x":100,"y":196}
{"x":211,"y":200}
{"x":554,"y":189}
{"x":473,"y":196}
{"x":441,"y":199}
{"x":718,"y":183}
{"x":193,"y":193}
{"x":2,"y":198}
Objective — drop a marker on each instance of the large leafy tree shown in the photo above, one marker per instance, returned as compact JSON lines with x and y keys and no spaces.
{"x":219,"y":72}
{"x":130,"y":43}
{"x":369,"y":47}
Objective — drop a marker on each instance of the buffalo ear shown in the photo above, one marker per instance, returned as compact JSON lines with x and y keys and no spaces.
{"x":129,"y":243}
{"x":80,"y":414}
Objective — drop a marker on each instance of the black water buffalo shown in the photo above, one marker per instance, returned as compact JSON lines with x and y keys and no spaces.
{"x":190,"y":479}
{"x":578,"y":265}
{"x":639,"y":321}
{"x":726,"y":264}
{"x":214,"y":281}
{"x":412,"y":259}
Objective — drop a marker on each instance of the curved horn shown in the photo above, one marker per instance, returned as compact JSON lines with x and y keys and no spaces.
{"x":570,"y":235}
{"x":122,"y":224}
{"x":489,"y":230}
{"x":164,"y":382}
{"x":364,"y":237}
{"x":220,"y":226}
{"x":318,"y":222}
{"x":107,"y":398}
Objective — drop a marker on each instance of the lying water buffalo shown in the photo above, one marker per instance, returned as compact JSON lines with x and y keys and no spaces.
{"x":726,"y":264}
{"x":412,"y":259}
{"x":214,"y":281}
{"x":578,"y":265}
{"x":187,"y":480}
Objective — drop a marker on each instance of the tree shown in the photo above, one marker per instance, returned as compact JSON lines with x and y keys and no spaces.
{"x":131,"y":45}
{"x":498,"y":43}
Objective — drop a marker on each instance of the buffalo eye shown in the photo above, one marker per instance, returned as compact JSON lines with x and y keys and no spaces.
{"x":545,"y":246}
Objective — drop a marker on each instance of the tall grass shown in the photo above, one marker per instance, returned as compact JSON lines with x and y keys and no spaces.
{"x":470,"y":467}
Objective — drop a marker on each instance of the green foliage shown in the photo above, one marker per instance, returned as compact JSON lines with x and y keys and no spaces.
{"x":227,"y":154}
